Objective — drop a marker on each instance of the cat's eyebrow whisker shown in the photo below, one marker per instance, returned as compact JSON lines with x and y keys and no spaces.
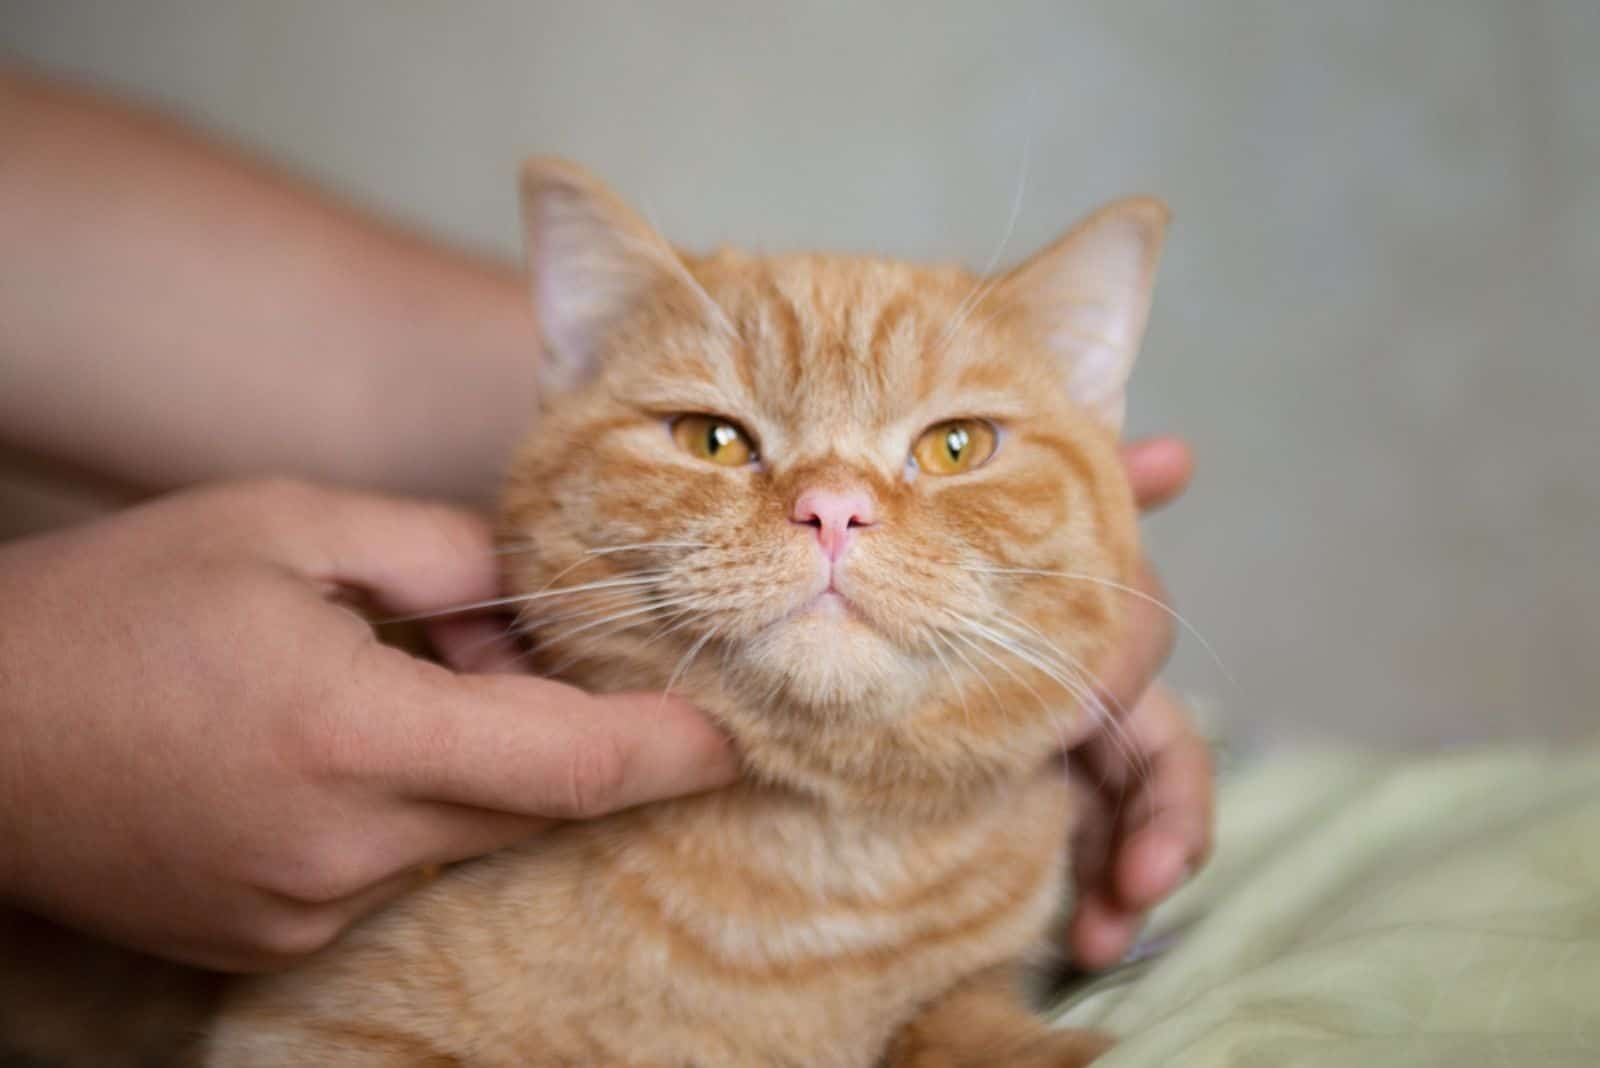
{"x":681,"y":271}
{"x":970,"y":303}
{"x":990,"y":569}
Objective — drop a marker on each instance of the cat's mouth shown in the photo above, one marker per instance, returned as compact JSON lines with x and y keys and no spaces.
{"x":829,"y":598}
{"x":829,"y":604}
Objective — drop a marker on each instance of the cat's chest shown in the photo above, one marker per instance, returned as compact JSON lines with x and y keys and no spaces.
{"x":810,"y":944}
{"x":711,"y":934}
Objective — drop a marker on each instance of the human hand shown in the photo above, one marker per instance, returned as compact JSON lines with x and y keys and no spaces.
{"x":1144,"y":786}
{"x":206,"y":756}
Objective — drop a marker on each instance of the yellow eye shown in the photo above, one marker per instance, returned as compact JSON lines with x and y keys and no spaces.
{"x":954,"y":447}
{"x":713,"y":439}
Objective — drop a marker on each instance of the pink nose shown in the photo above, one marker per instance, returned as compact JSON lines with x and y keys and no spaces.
{"x":835,"y":514}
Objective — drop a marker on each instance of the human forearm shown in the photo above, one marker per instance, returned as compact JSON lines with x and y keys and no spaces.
{"x":170,"y":312}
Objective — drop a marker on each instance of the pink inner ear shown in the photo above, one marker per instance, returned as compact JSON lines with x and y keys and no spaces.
{"x":589,"y":259}
{"x":1098,"y":361}
{"x":1090,"y":296}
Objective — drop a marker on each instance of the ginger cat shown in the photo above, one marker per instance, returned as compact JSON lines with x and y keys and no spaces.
{"x":871,"y":517}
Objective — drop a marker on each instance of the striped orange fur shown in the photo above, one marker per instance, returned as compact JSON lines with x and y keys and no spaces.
{"x":897,"y":846}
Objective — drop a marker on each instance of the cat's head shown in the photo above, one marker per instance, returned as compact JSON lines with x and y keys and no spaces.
{"x":870,"y":514}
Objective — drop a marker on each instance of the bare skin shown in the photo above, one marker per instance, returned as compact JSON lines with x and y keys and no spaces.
{"x":208,"y":758}
{"x":179,"y":686}
{"x":173,"y":313}
{"x":1146,"y":803}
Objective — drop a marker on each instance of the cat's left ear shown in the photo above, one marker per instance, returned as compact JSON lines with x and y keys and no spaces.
{"x":1087,"y":298}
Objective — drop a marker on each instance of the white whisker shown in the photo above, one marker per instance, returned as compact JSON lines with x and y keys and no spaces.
{"x":989,"y":569}
{"x":966,"y":710}
{"x":954,"y":684}
{"x":642,"y":579}
{"x":1003,"y":666}
{"x":604,"y":601}
{"x":606,"y":550}
{"x":965,"y":659}
{"x":1076,"y":679}
{"x":683,"y":664}
{"x":680,"y":270}
{"x":615,"y":617}
{"x":970,"y":303}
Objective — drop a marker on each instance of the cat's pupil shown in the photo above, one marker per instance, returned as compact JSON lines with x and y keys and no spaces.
{"x":719,"y":436}
{"x":955,"y":442}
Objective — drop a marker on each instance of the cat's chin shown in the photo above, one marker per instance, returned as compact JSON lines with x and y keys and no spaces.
{"x":827,"y":655}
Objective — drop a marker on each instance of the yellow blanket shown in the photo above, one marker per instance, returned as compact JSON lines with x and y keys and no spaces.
{"x":1366,"y":913}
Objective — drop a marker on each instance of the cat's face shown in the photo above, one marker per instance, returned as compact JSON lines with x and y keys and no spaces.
{"x":822,"y":488}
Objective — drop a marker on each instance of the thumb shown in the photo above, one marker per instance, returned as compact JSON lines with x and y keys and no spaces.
{"x":535,"y":747}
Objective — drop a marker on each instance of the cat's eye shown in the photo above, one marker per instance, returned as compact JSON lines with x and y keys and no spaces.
{"x":955,"y":446}
{"x":717,"y":440}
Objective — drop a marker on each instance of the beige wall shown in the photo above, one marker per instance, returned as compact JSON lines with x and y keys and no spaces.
{"x":1377,"y":319}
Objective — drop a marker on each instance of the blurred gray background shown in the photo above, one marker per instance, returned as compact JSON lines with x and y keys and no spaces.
{"x":1377,"y":317}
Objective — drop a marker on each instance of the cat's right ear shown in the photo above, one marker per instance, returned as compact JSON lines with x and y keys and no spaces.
{"x":591,"y":260}
{"x":1087,"y":297}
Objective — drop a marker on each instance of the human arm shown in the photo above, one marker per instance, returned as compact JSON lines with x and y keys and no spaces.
{"x":172,"y":312}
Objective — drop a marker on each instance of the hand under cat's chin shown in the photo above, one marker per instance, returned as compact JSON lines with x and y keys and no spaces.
{"x":871,"y":517}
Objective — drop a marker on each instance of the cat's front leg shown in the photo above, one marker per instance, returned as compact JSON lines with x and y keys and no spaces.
{"x":984,"y":1022}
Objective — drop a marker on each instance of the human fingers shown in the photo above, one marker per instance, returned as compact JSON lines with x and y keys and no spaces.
{"x":404,"y":556}
{"x":449,"y":834}
{"x":1145,"y":822}
{"x":1101,"y":931}
{"x":1093,"y":828}
{"x":1101,"y":928}
{"x":531,"y":746}
{"x":1149,"y":636}
{"x":478,"y":645}
{"x":1159,"y":469}
{"x":1170,"y":822}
